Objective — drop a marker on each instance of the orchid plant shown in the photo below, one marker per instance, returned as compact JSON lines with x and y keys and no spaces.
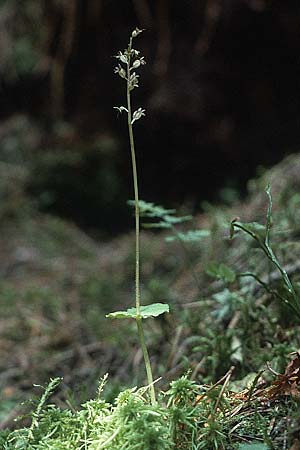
{"x":128,"y":61}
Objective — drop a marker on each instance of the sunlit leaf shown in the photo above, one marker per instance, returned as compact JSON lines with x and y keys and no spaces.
{"x":153,"y":310}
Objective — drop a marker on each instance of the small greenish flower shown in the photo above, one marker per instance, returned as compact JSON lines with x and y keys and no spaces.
{"x":122,"y":57}
{"x":120,"y":71}
{"x":136,"y":32}
{"x":138,"y":62}
{"x":133,"y":81}
{"x":138,"y":114}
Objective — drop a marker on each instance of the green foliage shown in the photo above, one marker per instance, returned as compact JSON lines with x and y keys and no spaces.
{"x":132,"y":423}
{"x":189,"y":236}
{"x":221,"y":272}
{"x":153,"y":310}
{"x":183,"y":413}
{"x":261,"y":234}
{"x":228,"y":302}
{"x":219,"y":349}
{"x":166,"y":219}
{"x":48,"y":391}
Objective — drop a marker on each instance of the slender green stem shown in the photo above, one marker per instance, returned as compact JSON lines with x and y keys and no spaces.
{"x":137,"y":237}
{"x":146,"y":359}
{"x":265,"y":246}
{"x":268,"y":289}
{"x":136,"y":190}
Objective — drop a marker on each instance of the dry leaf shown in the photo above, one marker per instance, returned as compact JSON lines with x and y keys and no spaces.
{"x":289,"y":382}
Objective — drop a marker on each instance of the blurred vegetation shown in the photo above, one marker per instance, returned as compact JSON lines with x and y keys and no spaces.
{"x":233,"y":65}
{"x":69,"y":177}
{"x":58,"y":284}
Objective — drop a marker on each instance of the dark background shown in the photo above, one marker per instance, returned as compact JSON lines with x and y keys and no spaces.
{"x":221,"y":89}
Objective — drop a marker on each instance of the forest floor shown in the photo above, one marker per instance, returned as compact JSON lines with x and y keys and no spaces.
{"x":233,"y":326}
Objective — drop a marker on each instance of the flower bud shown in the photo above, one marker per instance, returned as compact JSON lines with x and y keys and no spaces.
{"x":138,"y":114}
{"x":120,"y":71}
{"x":123,"y":58}
{"x":136,"y":32}
{"x":136,"y":64}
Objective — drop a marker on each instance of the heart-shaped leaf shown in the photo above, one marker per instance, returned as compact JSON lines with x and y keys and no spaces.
{"x":153,"y":310}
